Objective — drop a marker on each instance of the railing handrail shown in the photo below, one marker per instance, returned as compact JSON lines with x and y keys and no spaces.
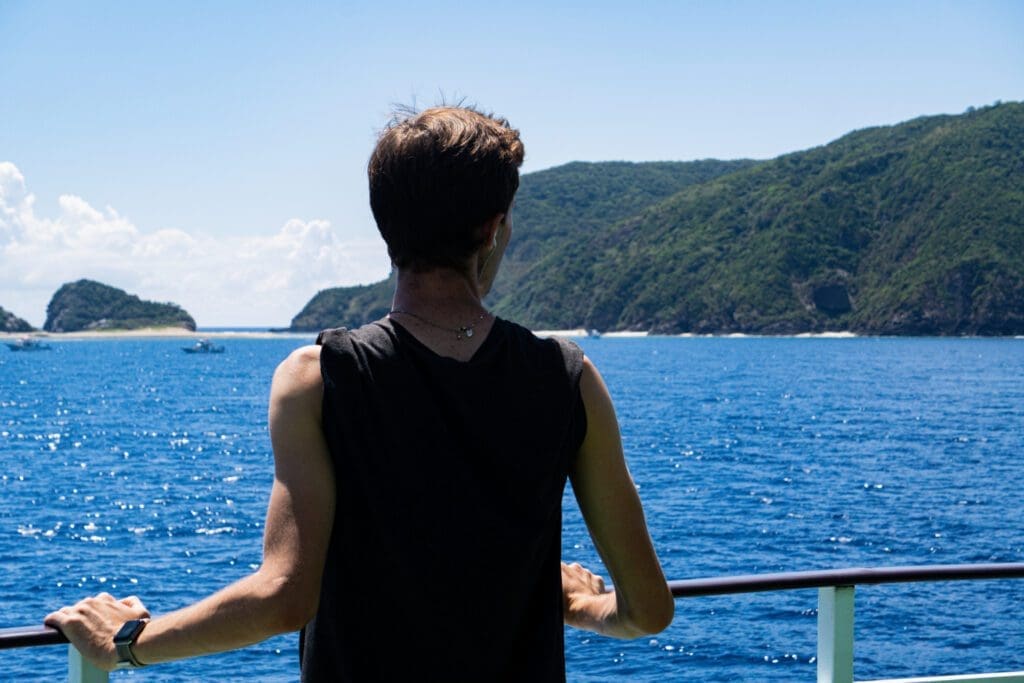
{"x":30,"y":636}
{"x":34,"y":636}
{"x":853,"y":576}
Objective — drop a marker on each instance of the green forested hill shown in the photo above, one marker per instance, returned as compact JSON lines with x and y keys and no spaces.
{"x":89,"y":305}
{"x":916,"y":228}
{"x":565,"y":206}
{"x":345,"y":307}
{"x":553,"y":208}
{"x":911,"y":229}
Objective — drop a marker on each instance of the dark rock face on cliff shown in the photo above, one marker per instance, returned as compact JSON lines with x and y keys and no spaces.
{"x":90,"y":305}
{"x":12,"y":323}
{"x":911,"y":229}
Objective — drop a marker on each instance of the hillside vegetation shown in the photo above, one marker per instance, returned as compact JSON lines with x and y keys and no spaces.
{"x":553,"y":208}
{"x":916,"y":228}
{"x":90,"y":305}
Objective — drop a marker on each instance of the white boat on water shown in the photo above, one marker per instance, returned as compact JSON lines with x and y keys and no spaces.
{"x":27,"y":344}
{"x":203,"y":346}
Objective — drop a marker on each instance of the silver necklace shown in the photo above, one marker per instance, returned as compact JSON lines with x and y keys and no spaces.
{"x":464,"y":331}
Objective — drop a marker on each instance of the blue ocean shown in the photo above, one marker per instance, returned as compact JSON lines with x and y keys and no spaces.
{"x":131,"y":467}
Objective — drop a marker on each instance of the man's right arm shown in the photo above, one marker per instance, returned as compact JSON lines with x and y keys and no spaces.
{"x":641,"y":602}
{"x":283,"y":593}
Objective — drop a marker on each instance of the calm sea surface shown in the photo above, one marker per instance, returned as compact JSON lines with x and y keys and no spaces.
{"x":130,"y":467}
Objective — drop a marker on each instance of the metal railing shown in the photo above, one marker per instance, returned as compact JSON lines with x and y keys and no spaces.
{"x":835,"y":607}
{"x":835,"y":615}
{"x":79,"y":668}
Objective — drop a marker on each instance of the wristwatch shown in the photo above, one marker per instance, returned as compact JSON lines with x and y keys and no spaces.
{"x":123,"y":641}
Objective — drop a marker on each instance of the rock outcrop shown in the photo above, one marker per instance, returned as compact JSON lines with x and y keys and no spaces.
{"x":12,"y":323}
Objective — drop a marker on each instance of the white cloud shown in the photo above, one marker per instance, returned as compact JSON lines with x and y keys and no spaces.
{"x":259,"y":280}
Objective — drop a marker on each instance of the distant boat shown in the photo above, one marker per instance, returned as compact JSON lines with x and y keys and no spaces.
{"x":27,"y":344}
{"x":593,"y":334}
{"x":203,"y":346}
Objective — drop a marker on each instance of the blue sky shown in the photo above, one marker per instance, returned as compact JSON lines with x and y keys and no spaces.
{"x":214,"y":154}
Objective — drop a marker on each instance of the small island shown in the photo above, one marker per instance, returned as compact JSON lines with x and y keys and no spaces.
{"x":12,"y":323}
{"x":87,"y":305}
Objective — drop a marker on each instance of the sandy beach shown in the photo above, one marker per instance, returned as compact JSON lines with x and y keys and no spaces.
{"x":578,"y":332}
{"x":181,"y":333}
{"x":153,"y":333}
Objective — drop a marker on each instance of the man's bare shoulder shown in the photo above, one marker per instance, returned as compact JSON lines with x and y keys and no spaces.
{"x":297,"y":377}
{"x":591,"y":382}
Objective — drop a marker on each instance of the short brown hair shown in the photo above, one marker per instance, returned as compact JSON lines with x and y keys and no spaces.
{"x":436,"y":177}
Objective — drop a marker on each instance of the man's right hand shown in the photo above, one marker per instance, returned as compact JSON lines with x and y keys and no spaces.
{"x":586,"y":603}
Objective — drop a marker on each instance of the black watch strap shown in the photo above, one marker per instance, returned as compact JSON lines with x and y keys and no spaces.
{"x":123,"y":641}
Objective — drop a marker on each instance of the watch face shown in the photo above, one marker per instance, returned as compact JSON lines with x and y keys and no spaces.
{"x":129,"y":631}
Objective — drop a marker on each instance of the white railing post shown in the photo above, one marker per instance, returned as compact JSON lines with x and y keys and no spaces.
{"x":81,"y":671}
{"x":835,"y":634}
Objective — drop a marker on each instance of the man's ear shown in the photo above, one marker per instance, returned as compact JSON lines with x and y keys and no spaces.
{"x":492,"y":226}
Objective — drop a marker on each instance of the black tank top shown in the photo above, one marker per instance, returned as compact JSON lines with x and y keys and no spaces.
{"x":443,"y":562}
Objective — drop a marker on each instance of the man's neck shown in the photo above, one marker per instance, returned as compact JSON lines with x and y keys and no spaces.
{"x":443,"y":310}
{"x":445,"y":293}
